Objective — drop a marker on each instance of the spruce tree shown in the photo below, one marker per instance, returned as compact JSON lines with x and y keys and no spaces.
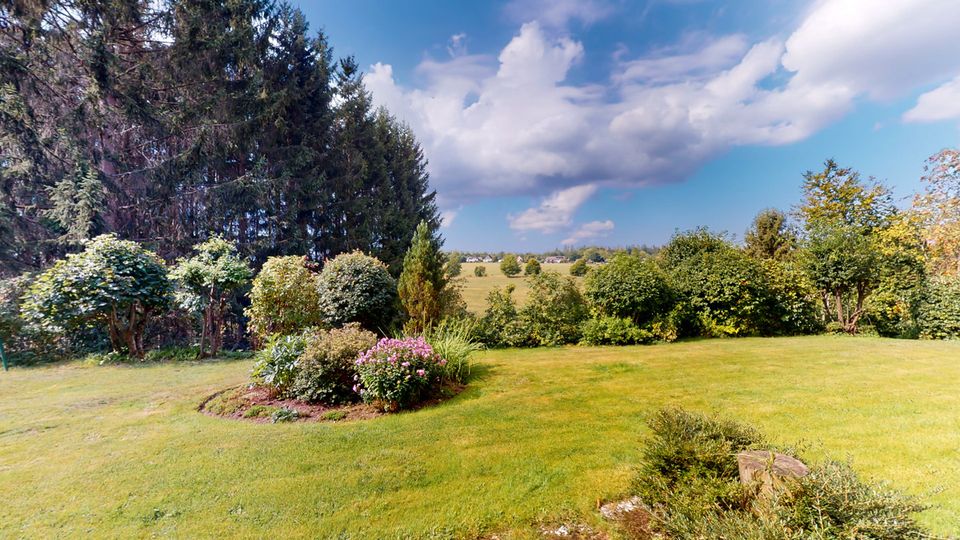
{"x":422,"y":282}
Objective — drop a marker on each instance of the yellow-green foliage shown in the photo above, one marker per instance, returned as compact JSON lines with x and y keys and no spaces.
{"x":284,"y":298}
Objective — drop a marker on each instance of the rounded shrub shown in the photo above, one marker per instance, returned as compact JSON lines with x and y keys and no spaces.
{"x":629,"y":287}
{"x":398,"y":373}
{"x":532,"y":267}
{"x":327,"y":365}
{"x":112,"y":283}
{"x":480,"y":271}
{"x":284,"y":298}
{"x":509,"y":265}
{"x":613,"y":331}
{"x":354,"y":287}
{"x":579,"y":268}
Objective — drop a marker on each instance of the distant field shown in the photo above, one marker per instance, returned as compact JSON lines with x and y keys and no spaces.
{"x":475,"y":290}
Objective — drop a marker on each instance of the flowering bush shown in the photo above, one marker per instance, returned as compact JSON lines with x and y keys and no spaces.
{"x":397,"y":373}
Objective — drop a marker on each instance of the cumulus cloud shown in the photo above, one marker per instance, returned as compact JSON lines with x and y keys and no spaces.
{"x":589,"y":231}
{"x":554,"y":212}
{"x":514,"y":124}
{"x":941,"y":103}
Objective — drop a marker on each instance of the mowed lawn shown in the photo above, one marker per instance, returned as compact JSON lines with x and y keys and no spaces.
{"x":538,"y":438}
{"x":475,"y":289}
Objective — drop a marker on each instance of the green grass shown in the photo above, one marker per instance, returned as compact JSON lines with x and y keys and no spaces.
{"x":475,"y":289}
{"x":540,"y":436}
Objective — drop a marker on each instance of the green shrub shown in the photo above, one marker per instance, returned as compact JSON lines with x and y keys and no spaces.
{"x":24,"y":343}
{"x":500,"y":325}
{"x":613,"y":331}
{"x":793,"y":303}
{"x":398,"y":373}
{"x":833,"y":502}
{"x":284,"y":414}
{"x":725,"y":292}
{"x":357,"y":288}
{"x":579,"y":268}
{"x":480,"y":271}
{"x":326,"y":369}
{"x":509,"y":265}
{"x":629,"y":287}
{"x":690,"y":484}
{"x":554,"y":311}
{"x":940,"y":312}
{"x":112,"y":284}
{"x":454,"y":340}
{"x":284,"y":298}
{"x":277,"y":364}
{"x":532,"y":267}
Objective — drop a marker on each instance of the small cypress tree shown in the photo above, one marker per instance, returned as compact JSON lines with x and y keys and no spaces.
{"x":532,"y":267}
{"x":509,"y":265}
{"x":422,"y":281}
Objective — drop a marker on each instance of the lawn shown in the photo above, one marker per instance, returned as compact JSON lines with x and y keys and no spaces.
{"x":539,"y":437}
{"x":475,"y":289}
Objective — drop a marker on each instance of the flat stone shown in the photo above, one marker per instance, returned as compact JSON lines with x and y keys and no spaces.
{"x":769,"y":468}
{"x":616,"y":510}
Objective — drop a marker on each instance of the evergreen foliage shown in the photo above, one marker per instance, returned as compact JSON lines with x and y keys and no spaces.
{"x":169,"y":121}
{"x":283,"y":299}
{"x":422,"y":282}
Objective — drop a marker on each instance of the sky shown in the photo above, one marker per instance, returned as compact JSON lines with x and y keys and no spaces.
{"x":609,"y":122}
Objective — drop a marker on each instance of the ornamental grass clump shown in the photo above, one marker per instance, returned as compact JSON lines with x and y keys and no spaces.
{"x":398,"y":373}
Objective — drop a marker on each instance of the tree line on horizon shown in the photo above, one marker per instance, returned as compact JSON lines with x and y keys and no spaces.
{"x":169,"y":122}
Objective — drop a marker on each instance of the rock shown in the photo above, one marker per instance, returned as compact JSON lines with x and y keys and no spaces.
{"x":617,"y":510}
{"x":769,"y":468}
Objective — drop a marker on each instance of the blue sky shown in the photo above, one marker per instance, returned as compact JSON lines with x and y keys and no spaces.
{"x":609,"y":122}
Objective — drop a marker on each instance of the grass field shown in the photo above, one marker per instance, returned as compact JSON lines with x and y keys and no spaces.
{"x":475,"y":289}
{"x":539,"y":437}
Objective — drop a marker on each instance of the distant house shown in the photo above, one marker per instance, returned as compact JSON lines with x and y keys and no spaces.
{"x":476,"y":259}
{"x":519,"y":259}
{"x":555,"y":260}
{"x":488,"y":259}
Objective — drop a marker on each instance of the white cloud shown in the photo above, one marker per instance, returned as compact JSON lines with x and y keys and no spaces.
{"x":554,"y":212}
{"x":447,"y":217}
{"x":673,"y":65}
{"x":590,"y":231}
{"x":941,"y":103}
{"x":457,"y":45}
{"x":514,"y":125}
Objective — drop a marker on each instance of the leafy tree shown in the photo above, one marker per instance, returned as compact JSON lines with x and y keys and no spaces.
{"x":509,"y":265}
{"x":116,"y":283}
{"x":938,"y":208}
{"x":579,"y":268}
{"x":770,"y":237}
{"x":480,"y":271}
{"x":206,"y":281}
{"x":284,"y":298}
{"x":453,"y":267}
{"x":532,"y":267}
{"x":939,"y":316}
{"x":354,"y":287}
{"x":422,"y":281}
{"x":629,"y":287}
{"x":843,"y":218}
